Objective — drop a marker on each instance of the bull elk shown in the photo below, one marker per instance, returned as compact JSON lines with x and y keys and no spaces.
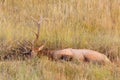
{"x":84,"y":55}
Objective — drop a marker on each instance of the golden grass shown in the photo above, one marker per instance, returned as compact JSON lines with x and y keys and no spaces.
{"x":91,"y":24}
{"x":48,"y":70}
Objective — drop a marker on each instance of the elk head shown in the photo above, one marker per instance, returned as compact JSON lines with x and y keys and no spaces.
{"x":34,"y":51}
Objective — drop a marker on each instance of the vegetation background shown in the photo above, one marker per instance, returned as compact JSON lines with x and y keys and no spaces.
{"x":91,"y":24}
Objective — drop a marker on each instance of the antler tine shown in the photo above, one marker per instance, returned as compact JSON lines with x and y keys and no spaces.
{"x":40,"y":21}
{"x":33,"y":19}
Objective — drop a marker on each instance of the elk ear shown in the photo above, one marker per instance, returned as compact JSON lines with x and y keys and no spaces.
{"x":41,"y":47}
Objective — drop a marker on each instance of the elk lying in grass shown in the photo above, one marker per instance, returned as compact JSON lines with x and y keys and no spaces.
{"x":68,"y":54}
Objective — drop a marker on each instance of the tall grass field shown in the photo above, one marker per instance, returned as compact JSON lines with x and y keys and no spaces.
{"x":89,"y":24}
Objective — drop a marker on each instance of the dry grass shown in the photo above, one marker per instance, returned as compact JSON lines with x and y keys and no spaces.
{"x":43,"y":69}
{"x":92,"y":24}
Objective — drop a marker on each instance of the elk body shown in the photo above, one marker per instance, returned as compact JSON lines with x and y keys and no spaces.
{"x":83,"y":55}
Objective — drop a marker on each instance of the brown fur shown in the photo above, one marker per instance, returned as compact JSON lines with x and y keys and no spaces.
{"x":90,"y":56}
{"x":83,"y":55}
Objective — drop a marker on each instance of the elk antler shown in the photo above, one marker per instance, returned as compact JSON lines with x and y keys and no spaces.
{"x":38,"y":29}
